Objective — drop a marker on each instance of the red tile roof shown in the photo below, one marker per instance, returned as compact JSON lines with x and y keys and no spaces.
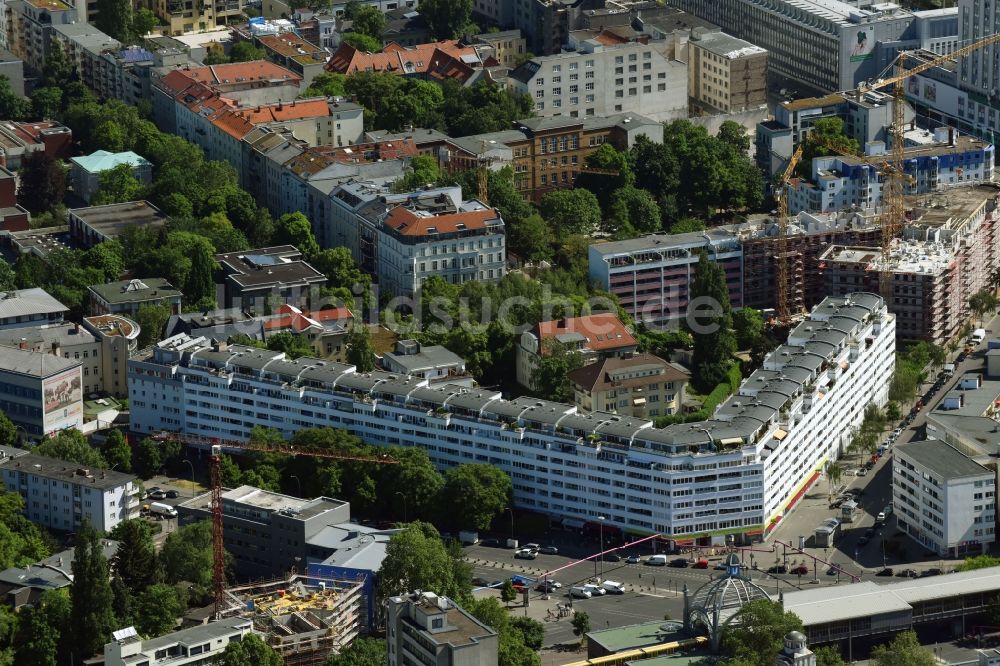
{"x":317,"y":158}
{"x":436,"y":59}
{"x":609,"y":38}
{"x":237,"y":72}
{"x":289,"y":44}
{"x":407,"y":223}
{"x":603,"y":332}
{"x":289,"y":316}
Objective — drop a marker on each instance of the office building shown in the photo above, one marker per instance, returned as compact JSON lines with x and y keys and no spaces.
{"x":187,"y":647}
{"x":23,"y":586}
{"x":593,"y":337}
{"x":86,"y":170}
{"x":942,"y":499}
{"x":268,"y":533}
{"x":251,"y":279}
{"x":127,"y":296}
{"x":755,"y":458}
{"x":828,"y":45}
{"x":431,"y":362}
{"x":942,"y":160}
{"x":59,"y":495}
{"x":604,"y":77}
{"x":96,"y":224}
{"x":27,"y":308}
{"x":40,"y":392}
{"x":638,"y":385}
{"x":67,"y":341}
{"x":434,"y":630}
{"x":725,"y":74}
{"x":652,"y":275}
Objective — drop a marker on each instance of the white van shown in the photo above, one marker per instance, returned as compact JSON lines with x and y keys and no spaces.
{"x":978,"y":336}
{"x":657,"y":560}
{"x":613,"y":587}
{"x":595,"y":590}
{"x":579,"y":592}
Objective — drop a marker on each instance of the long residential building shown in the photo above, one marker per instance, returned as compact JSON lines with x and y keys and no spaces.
{"x":736,"y":474}
{"x":829,"y":45}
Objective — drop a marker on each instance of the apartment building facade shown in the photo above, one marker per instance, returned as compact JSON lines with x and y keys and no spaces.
{"x":127,"y":296}
{"x":194,"y":646}
{"x":60,"y":495}
{"x":856,"y":183}
{"x":652,"y":275}
{"x":251,"y":277}
{"x":942,"y":499}
{"x":725,"y":74}
{"x":828,"y":45}
{"x":24,"y":308}
{"x":435,"y":630}
{"x":638,"y":385}
{"x":601,"y":79}
{"x":746,"y":466}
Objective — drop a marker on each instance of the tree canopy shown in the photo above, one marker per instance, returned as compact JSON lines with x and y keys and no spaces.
{"x":447,"y":18}
{"x":904,"y":650}
{"x":714,"y":342}
{"x":476,"y":494}
{"x":416,"y":559}
{"x":757,"y":632}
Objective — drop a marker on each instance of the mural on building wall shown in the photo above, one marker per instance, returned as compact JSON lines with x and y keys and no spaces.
{"x":862,"y":45}
{"x":63,"y":395}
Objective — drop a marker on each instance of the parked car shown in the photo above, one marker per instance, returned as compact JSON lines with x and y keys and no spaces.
{"x":491,"y":543}
{"x":172,"y":494}
{"x":525,"y":554}
{"x":157,"y":494}
{"x":633,"y":559}
{"x":778,"y":569}
{"x":546,"y":586}
{"x":611,"y":557}
{"x":480,"y":582}
{"x":800,"y":570}
{"x":548,"y":550}
{"x":931,"y":572}
{"x":907,"y":573}
{"x":832,"y":571}
{"x":595,"y":590}
{"x":531,"y":546}
{"x":679,"y":563}
{"x":885,"y":572}
{"x":870,"y":532}
{"x":700,"y":564}
{"x":656,"y":560}
{"x":580,"y":592}
{"x":862,"y":472}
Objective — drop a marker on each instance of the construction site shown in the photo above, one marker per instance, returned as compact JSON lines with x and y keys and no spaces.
{"x":303,"y":618}
{"x":946,"y":253}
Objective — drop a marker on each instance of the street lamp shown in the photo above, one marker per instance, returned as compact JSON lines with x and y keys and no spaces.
{"x":191,"y":465}
{"x":600,"y":550}
{"x":507,"y":508}
{"x":404,"y":504}
{"x":298,"y":482}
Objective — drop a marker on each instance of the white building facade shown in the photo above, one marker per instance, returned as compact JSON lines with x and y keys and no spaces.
{"x":602,"y":80}
{"x":943,"y":499}
{"x":736,"y":474}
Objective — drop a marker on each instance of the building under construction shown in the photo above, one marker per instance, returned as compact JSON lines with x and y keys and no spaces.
{"x":303,"y":618}
{"x":809,"y":234}
{"x":949,"y":248}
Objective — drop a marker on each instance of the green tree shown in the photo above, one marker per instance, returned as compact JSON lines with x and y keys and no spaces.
{"x":827,"y":655}
{"x":43,"y":182}
{"x":981,"y":302}
{"x":327,"y":84}
{"x":114,"y":17}
{"x":580,"y":624}
{"x":8,"y":277}
{"x":8,"y":431}
{"x":91,"y":616}
{"x":368,"y":21}
{"x":632,"y":211}
{"x":295,"y":346}
{"x":571,"y":211}
{"x":148,"y":458}
{"x":200,"y":286}
{"x":735,"y":135}
{"x":21,"y":541}
{"x":107,"y":257}
{"x":360,"y":352}
{"x":551,"y":376}
{"x":117,"y":185}
{"x":156,"y":610}
{"x":58,"y":71}
{"x":417,"y":480}
{"x":904,"y":650}
{"x":246,"y":52}
{"x":294,"y":229}
{"x":187,"y":556}
{"x":687,"y":225}
{"x":748,"y":324}
{"x":46,"y":102}
{"x":532,"y":631}
{"x":530,"y":238}
{"x":714,"y":342}
{"x":826,"y":132}
{"x":475,"y":494}
{"x":507,"y":592}
{"x":135,"y":561}
{"x":152,"y":319}
{"x":758,"y":631}
{"x":416,"y":559}
{"x":978,"y":562}
{"x":12,"y":105}
{"x":72,"y":446}
{"x":423,"y":169}
{"x":341,"y":270}
{"x":606,"y":170}
{"x":362,"y":651}
{"x":42,"y":638}
{"x":446,"y":18}
{"x":251,"y":651}
{"x":362,"y":42}
{"x":116,"y":452}
{"x":143,"y":22}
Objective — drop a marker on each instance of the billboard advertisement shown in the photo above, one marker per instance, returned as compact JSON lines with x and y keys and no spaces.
{"x":862,"y":45}
{"x":63,"y":398}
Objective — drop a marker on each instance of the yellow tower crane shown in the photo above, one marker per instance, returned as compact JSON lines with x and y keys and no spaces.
{"x":784,"y":309}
